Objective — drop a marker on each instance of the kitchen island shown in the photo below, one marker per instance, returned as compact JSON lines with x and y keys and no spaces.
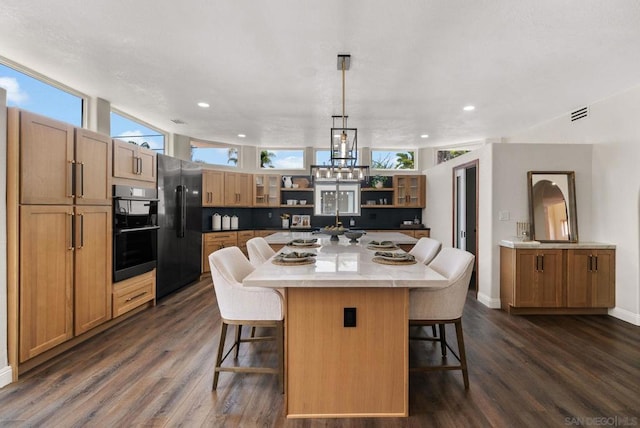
{"x":346,"y":324}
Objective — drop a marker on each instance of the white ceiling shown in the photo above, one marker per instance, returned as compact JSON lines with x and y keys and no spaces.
{"x":268,"y":68}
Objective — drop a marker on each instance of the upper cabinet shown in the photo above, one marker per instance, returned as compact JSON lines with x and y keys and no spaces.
{"x":266,"y":190}
{"x":134,"y":162}
{"x":409,"y":191}
{"x":61,"y":165}
{"x":212,"y":188}
{"x":238,"y":189}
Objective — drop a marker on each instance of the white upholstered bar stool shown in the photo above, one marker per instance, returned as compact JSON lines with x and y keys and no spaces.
{"x":239,"y":305}
{"x":259,"y":250}
{"x":444,"y":305}
{"x":425,"y":249}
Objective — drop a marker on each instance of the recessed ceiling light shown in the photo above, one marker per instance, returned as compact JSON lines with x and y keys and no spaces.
{"x":424,"y":136}
{"x":241,"y":135}
{"x":203,"y":104}
{"x":469,"y":108}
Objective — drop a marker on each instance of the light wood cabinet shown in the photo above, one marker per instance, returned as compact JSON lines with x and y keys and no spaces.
{"x":92,"y":282}
{"x":133,"y":292}
{"x":243,"y":237}
{"x":557,"y":280}
{"x":212,"y":188}
{"x":46,"y":278}
{"x":409,"y":191}
{"x":134,"y":162}
{"x":238,"y":189}
{"x":214,"y":241}
{"x":266,"y":190}
{"x":591,"y":278}
{"x":60,"y":165}
{"x":65,"y":274}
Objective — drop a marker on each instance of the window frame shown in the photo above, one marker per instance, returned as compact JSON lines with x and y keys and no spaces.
{"x":259,"y":150}
{"x":372,"y":151}
{"x":165,"y":135}
{"x":84,"y":99}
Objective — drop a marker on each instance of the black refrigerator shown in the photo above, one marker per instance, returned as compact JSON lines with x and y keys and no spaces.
{"x":180,"y":221}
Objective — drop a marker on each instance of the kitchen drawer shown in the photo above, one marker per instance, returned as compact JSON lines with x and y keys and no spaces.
{"x":221,"y":237}
{"x":133,"y":292}
{"x":421,"y":234}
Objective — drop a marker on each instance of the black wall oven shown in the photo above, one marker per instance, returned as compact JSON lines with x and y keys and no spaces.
{"x":135,"y":231}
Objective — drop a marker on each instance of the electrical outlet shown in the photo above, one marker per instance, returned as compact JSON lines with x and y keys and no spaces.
{"x":503,"y":215}
{"x":269,"y":214}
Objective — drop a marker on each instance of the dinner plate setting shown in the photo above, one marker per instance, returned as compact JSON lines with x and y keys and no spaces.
{"x":382,"y":245}
{"x":308,"y":243}
{"x":294,"y":258}
{"x":389,"y":258}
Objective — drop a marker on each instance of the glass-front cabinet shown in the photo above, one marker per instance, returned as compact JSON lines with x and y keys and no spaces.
{"x":409,"y":191}
{"x":343,"y":197}
{"x":266,"y":190}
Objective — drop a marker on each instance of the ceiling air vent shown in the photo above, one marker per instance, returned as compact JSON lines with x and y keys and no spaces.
{"x":579,"y":114}
{"x":178,"y":122}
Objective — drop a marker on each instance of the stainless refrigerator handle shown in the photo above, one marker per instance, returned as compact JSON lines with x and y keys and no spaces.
{"x":182,"y":210}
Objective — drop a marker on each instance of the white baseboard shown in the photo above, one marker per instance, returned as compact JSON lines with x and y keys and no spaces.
{"x":489,"y":301}
{"x":625,"y":315}
{"x":6,"y":376}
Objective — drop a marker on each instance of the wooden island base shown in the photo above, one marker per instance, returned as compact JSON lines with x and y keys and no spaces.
{"x":338,"y":371}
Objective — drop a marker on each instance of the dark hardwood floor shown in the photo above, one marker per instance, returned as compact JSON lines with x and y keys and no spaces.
{"x":156,"y":370}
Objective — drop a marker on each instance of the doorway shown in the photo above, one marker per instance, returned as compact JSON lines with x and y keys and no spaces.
{"x":465,"y":214}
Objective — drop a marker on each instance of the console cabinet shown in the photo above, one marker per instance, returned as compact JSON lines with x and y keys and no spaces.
{"x":557,"y":278}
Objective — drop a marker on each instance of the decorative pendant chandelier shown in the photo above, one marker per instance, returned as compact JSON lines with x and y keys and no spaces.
{"x":343,"y":163}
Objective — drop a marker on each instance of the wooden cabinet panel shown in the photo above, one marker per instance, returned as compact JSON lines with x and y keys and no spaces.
{"x":46,"y":278}
{"x":133,"y":162}
{"x":214,"y":241}
{"x":243,"y":237}
{"x":46,"y":160}
{"x":540,"y":278}
{"x":92,"y":285}
{"x":565,"y":281}
{"x":93,"y":168}
{"x":409,"y":191}
{"x":591,"y":278}
{"x":212,"y":188}
{"x":133,"y":292}
{"x":421,"y":234}
{"x":238,"y":189}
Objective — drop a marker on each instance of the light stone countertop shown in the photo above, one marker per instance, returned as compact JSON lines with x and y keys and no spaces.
{"x":556,"y":245}
{"x":342,"y":264}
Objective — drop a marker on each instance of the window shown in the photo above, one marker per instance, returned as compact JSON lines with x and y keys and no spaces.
{"x":282,"y":159}
{"x":323,"y":157}
{"x":127,"y":129}
{"x":387,"y":159}
{"x":41,"y":96}
{"x":214,"y":154}
{"x":445,"y":155}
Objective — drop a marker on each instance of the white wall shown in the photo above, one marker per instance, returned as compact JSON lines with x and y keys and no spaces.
{"x":5,"y":370}
{"x":614,"y":130}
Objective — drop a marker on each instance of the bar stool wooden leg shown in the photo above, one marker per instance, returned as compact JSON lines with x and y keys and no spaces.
{"x":216,"y":371}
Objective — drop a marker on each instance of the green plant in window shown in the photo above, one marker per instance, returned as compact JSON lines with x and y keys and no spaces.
{"x":405,"y":160}
{"x":232,"y":156}
{"x":266,"y":159}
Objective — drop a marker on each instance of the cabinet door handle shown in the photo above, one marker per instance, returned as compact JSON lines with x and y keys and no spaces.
{"x":537,"y":263}
{"x":135,"y":165}
{"x":595,"y":259}
{"x":590,"y":267}
{"x":136,"y":296}
{"x":72,"y":232}
{"x":542,"y":263}
{"x":70,"y":180}
{"x":140,"y":168}
{"x":80,"y":179}
{"x":81,"y":222}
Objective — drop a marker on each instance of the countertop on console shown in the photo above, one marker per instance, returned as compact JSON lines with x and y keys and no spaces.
{"x":556,"y":245}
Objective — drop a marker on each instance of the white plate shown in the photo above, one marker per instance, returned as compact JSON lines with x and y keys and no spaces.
{"x":293,"y":259}
{"x":398,"y":258}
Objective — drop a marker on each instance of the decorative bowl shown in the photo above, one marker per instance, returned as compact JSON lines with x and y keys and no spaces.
{"x":333,"y":231}
{"x":354,"y":235}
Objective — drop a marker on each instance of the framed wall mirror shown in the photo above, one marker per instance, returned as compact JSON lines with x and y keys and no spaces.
{"x":552,"y":206}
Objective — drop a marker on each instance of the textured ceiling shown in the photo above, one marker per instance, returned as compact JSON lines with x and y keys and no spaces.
{"x":268,"y":68}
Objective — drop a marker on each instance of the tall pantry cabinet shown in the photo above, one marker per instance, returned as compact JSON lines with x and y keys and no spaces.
{"x":61,"y":178}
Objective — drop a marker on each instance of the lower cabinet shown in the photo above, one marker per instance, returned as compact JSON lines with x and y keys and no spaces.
{"x":65,"y":274}
{"x":243,"y":237}
{"x":214,"y":241}
{"x":557,"y":280}
{"x":133,"y":292}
